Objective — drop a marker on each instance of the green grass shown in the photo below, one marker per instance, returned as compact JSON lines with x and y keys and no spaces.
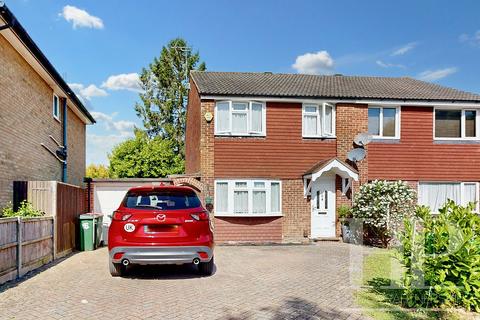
{"x":381,"y":302}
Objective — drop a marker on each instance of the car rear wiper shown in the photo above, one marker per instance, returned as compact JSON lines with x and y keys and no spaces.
{"x":148,"y":206}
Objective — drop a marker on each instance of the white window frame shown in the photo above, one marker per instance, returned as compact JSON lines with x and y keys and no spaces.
{"x":398,"y":111}
{"x":56,"y":115}
{"x":250,"y":132}
{"x":462,"y":124}
{"x":320,"y":114}
{"x":462,"y":185}
{"x":250,"y":188}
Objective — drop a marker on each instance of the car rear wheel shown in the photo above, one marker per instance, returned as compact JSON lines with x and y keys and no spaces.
{"x":206,"y":268}
{"x":116,"y":269}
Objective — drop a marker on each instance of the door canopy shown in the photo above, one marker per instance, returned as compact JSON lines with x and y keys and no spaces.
{"x":333,"y":165}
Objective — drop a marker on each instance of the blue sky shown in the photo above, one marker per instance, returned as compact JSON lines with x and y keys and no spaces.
{"x":99,"y":46}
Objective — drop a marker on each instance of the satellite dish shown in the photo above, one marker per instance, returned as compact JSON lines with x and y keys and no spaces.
{"x":356,"y":154}
{"x":362,"y":139}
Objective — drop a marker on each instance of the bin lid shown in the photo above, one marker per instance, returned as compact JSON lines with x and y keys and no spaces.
{"x":87,"y":216}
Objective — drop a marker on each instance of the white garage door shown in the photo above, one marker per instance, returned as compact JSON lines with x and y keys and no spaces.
{"x":107,"y":199}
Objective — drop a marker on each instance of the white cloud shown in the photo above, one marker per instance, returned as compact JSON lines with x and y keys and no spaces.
{"x":389,"y":65}
{"x":122,"y":127}
{"x":87,"y":92}
{"x":473,"y":39}
{"x":406,"y":48}
{"x":314,"y":63}
{"x":81,"y":18}
{"x":125,"y":81}
{"x":434,"y":75}
{"x":98,"y":146}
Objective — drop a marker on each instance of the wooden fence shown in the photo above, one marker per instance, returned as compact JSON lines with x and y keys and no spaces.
{"x":64,"y":202}
{"x":25,"y":244}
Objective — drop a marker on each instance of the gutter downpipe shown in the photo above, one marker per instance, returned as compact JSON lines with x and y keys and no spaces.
{"x":64,"y":129}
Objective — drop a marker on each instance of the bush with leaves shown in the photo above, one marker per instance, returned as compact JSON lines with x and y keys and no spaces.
{"x":441,"y":257}
{"x":383,"y":205}
{"x":26,"y":210}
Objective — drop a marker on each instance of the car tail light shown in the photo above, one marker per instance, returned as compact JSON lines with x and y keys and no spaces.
{"x":203,"y":255}
{"x":200,"y":216}
{"x":118,"y":255}
{"x":119,"y":216}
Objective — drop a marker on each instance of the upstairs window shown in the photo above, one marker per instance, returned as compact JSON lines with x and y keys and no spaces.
{"x":457,"y":124}
{"x":56,"y":107}
{"x":237,"y":118}
{"x":384,"y":122}
{"x":318,"y":120}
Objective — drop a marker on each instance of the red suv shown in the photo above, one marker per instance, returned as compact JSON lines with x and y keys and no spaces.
{"x":160,"y":225}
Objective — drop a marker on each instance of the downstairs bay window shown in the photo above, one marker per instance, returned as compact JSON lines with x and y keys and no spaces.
{"x":240,"y":118}
{"x":436,"y":194}
{"x":247,"y":198}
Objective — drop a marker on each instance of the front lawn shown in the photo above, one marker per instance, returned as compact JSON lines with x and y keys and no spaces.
{"x":383,"y":303}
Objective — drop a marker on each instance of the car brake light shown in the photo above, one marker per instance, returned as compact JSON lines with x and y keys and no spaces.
{"x":200,"y":216}
{"x":119,"y":216}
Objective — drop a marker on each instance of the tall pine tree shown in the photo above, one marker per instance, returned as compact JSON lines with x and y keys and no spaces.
{"x":164,"y":99}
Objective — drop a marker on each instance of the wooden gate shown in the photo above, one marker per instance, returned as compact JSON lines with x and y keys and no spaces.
{"x":70,"y":204}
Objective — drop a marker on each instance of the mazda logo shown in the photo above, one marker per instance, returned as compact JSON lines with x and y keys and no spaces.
{"x":161,"y":217}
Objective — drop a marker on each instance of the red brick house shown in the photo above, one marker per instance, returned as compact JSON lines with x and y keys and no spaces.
{"x":39,"y":112}
{"x":271,"y":149}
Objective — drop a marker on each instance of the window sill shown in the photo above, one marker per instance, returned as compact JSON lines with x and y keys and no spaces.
{"x":247,"y":215}
{"x":57,"y":118}
{"x":240,"y":135}
{"x":385,"y":140}
{"x":319,"y":137}
{"x":456,"y":141}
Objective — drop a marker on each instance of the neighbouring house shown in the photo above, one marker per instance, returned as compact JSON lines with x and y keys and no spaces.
{"x":39,"y":113}
{"x":273,"y":151}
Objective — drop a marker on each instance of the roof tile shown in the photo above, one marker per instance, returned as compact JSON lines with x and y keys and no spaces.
{"x":322,"y":86}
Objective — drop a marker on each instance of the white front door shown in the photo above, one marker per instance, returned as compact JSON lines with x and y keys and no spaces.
{"x":323,"y":207}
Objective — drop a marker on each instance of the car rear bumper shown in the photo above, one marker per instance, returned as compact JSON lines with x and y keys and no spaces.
{"x":161,"y":255}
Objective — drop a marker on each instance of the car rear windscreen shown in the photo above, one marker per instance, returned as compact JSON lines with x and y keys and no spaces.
{"x":161,"y":200}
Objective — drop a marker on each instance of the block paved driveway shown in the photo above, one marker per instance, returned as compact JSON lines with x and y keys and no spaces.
{"x":250,"y":282}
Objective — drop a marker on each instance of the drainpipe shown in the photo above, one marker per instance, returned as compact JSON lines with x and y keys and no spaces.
{"x":64,"y":129}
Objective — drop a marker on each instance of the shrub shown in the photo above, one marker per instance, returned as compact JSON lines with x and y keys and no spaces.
{"x":441,"y":256}
{"x":383,"y":205}
{"x":26,"y":210}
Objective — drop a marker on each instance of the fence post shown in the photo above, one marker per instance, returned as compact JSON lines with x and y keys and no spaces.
{"x":54,"y":189}
{"x":19,"y":247}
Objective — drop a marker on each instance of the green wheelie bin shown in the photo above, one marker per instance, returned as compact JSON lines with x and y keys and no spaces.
{"x":90,"y":231}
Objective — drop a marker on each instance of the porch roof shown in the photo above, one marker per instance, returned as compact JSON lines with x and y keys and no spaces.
{"x":334,"y":164}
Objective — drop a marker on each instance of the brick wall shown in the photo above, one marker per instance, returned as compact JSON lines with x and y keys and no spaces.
{"x":207,"y":148}
{"x":296,"y":211}
{"x":26,"y":122}
{"x":351,"y":119}
{"x":261,"y":229}
{"x":76,"y":133}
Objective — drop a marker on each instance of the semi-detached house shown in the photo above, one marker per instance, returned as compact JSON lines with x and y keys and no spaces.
{"x":271,"y":150}
{"x":39,"y":112}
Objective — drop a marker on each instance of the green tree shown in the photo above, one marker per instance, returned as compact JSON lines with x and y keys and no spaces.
{"x":145,"y":157}
{"x":97,"y":171}
{"x":165,"y":92}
